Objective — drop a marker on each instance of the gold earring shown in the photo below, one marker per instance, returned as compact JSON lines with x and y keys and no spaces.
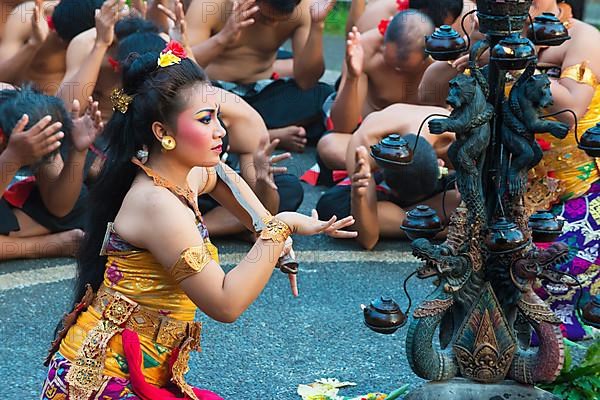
{"x":168,"y":142}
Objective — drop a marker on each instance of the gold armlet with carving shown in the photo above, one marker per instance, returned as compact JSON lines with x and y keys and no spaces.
{"x":275,"y":230}
{"x":191,"y":261}
{"x":580,"y":73}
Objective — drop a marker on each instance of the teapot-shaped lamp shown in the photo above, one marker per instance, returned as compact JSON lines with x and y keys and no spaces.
{"x":445,"y":44}
{"x":392,"y":152}
{"x":421,"y":222}
{"x":547,"y":30}
{"x":504,"y":237}
{"x":590,"y":141}
{"x":383,"y":315}
{"x":545,"y":226}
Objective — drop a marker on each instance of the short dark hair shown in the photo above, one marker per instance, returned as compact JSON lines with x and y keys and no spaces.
{"x":27,"y":100}
{"x":407,"y":30}
{"x":418,"y":180}
{"x":439,"y":10}
{"x":71,"y":17}
{"x":282,"y":6}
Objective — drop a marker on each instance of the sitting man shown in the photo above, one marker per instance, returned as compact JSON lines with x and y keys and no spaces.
{"x":383,"y":67}
{"x":239,"y":53}
{"x":35,"y":39}
{"x":441,"y":12}
{"x":378,"y":199}
{"x":42,"y":215}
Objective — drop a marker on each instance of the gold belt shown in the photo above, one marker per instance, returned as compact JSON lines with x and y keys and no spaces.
{"x":118,"y":312}
{"x":165,"y":331}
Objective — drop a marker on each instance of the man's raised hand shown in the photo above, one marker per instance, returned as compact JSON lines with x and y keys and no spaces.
{"x":355,"y":53}
{"x":240,"y":17}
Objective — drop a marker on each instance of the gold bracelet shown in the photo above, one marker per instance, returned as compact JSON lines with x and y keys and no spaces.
{"x":275,"y":230}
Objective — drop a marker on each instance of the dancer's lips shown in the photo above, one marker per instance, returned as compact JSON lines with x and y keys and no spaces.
{"x":218,"y":149}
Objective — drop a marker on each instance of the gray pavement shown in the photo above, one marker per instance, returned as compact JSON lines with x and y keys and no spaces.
{"x":279,"y":343}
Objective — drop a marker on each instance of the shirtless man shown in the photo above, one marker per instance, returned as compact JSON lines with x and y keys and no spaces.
{"x":379,"y":71}
{"x":6,"y":9}
{"x":237,"y":42}
{"x":441,"y":12}
{"x":566,"y":91}
{"x":378,"y":199}
{"x":32,"y":51}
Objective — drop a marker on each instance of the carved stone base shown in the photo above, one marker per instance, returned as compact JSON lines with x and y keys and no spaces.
{"x":462,"y":389}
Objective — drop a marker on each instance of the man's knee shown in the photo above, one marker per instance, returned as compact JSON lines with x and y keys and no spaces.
{"x":331,"y":151}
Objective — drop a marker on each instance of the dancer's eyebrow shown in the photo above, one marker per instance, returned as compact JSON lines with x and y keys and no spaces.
{"x":212,"y":110}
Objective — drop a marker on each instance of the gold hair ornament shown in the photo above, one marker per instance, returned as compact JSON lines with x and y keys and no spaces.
{"x":120,"y":100}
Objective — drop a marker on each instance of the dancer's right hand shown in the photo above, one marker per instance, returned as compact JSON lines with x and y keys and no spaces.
{"x":30,"y":146}
{"x":304,"y":225}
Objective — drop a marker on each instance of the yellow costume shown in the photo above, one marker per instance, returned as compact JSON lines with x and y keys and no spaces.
{"x":138,"y":295}
{"x":566,"y":171}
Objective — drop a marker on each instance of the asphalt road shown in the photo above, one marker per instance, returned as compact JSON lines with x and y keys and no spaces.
{"x":279,"y":343}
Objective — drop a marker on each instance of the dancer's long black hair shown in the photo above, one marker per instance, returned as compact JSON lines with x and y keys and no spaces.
{"x":159,"y":94}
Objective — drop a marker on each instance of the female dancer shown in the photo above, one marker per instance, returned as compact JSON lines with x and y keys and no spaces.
{"x":133,"y":338}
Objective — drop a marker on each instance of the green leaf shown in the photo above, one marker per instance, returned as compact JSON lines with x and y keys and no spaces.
{"x":592,"y":355}
{"x":568,"y":360}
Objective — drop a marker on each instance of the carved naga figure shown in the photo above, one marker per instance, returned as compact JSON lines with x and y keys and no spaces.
{"x":545,"y":363}
{"x":470,"y":121}
{"x":521,"y":121}
{"x":460,"y":279}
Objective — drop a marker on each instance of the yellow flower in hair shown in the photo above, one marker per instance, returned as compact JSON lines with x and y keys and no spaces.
{"x":167,"y":59}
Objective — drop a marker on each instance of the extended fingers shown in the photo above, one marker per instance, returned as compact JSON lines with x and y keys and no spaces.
{"x":170,"y":14}
{"x":278,"y":170}
{"x":21,"y":124}
{"x":280,"y":157}
{"x":271,"y":146}
{"x":40,"y":125}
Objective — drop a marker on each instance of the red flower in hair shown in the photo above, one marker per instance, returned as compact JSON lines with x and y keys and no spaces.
{"x":176,"y":49}
{"x":50,"y":23}
{"x":402,"y":5}
{"x":382,"y":27}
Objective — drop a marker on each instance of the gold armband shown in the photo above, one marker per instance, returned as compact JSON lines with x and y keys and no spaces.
{"x":191,"y":261}
{"x":275,"y":230}
{"x":580,"y":73}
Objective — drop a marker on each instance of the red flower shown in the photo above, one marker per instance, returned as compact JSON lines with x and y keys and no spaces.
{"x":2,"y":138}
{"x":402,"y":5}
{"x":544,"y":144}
{"x":176,"y":49}
{"x":383,"y":24}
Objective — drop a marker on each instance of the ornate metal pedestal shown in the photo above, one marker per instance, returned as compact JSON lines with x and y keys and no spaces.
{"x":483,"y":305}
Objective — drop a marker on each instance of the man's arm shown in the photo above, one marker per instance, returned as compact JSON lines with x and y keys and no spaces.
{"x":60,"y":182}
{"x":21,"y":41}
{"x":347,"y":107}
{"x":83,"y":65}
{"x":307,"y":42}
{"x":363,"y":201}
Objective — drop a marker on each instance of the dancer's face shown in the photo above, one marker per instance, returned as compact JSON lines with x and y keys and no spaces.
{"x":198,"y":131}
